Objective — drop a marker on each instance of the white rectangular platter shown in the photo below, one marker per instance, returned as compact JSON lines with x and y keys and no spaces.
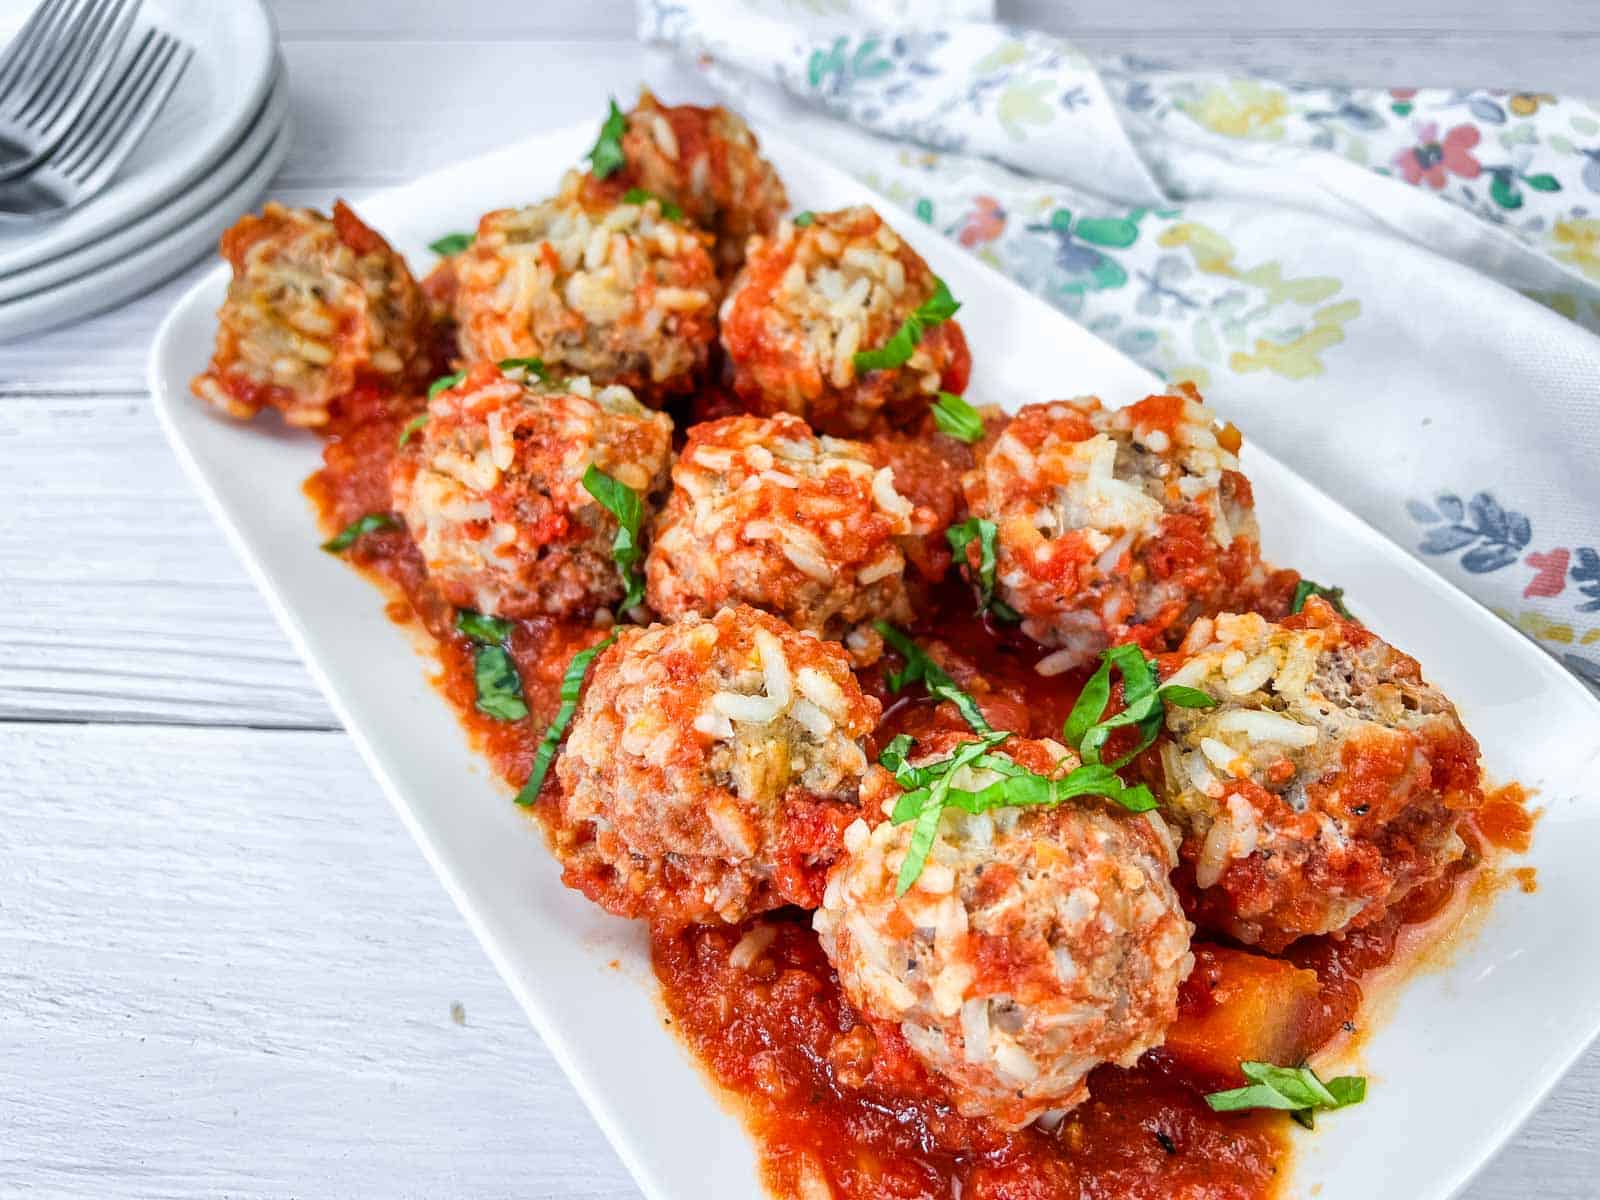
{"x":1468,"y":1051}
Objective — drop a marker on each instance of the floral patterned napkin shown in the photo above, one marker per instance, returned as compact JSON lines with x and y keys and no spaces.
{"x":1397,"y":292}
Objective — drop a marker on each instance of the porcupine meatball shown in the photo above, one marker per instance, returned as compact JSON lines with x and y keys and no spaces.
{"x":706,"y":161}
{"x":1036,"y":944}
{"x":492,"y":491}
{"x":711,"y":769}
{"x":1116,"y":526}
{"x":809,"y":298}
{"x":317,"y":307}
{"x":605,"y":289}
{"x":763,"y":512}
{"x":1325,"y":784}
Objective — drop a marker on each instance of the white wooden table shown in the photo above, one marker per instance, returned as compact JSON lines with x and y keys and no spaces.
{"x":224,"y":969}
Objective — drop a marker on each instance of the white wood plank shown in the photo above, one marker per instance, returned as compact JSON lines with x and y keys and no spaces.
{"x":226,"y":971}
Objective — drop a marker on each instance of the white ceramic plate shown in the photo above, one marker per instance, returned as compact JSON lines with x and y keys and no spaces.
{"x":225,"y":85}
{"x":1465,"y":1056}
{"x":211,"y":195}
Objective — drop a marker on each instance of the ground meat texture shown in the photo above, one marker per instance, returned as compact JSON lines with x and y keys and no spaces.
{"x":1036,"y":944}
{"x":763,"y":512}
{"x":492,"y":491}
{"x":711,"y":769}
{"x":1325,"y":785}
{"x":605,"y":289}
{"x":317,"y":307}
{"x":1117,"y":526}
{"x":706,"y":161}
{"x":809,"y":298}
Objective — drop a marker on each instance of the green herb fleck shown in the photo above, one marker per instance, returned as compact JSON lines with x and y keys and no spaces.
{"x":1307,"y":588}
{"x":452,"y":243}
{"x":638,"y":195}
{"x":956,"y":417}
{"x":528,"y":366}
{"x":571,"y":689}
{"x":920,"y":668}
{"x":804,"y":218}
{"x":412,"y":428}
{"x":1295,"y":1090}
{"x":348,"y":536}
{"x":499,"y":685}
{"x":1143,"y":700}
{"x":622,"y":502}
{"x":976,"y":529}
{"x":897,"y":351}
{"x":606,"y":158}
{"x":485,"y":630}
{"x":443,"y":382}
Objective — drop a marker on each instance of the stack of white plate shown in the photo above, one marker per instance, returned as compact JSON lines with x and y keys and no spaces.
{"x":203,"y":163}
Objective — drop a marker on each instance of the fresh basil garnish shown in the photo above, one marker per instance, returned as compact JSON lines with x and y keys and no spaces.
{"x":483,"y":629}
{"x":1143,"y":699}
{"x":348,"y":536}
{"x":412,"y":428}
{"x":956,"y":417}
{"x":638,"y":195}
{"x":571,"y":689}
{"x":977,"y":529}
{"x":921,"y":669}
{"x":622,"y":502}
{"x":530,"y":366}
{"x":1307,"y":588}
{"x":804,"y":218}
{"x":443,"y":382}
{"x":1295,"y":1090}
{"x":452,"y":243}
{"x":897,"y":351}
{"x":499,"y":685}
{"x":606,"y":158}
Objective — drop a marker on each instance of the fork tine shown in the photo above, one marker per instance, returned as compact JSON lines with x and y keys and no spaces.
{"x":40,"y":50}
{"x":20,"y":49}
{"x":109,"y":99}
{"x":67,"y":70}
{"x":143,"y":104}
{"x":98,"y":57}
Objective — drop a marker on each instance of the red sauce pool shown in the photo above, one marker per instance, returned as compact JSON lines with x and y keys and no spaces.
{"x":827,"y":1097}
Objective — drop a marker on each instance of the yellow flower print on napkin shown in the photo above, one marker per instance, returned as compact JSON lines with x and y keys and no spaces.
{"x":1298,"y":358}
{"x":1242,"y":108}
{"x":1578,"y":243}
{"x":1025,"y":104}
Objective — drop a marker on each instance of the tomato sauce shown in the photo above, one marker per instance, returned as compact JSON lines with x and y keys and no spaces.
{"x":840,"y":1107}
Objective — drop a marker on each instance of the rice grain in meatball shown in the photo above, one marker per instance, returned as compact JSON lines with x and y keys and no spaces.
{"x":1326,"y":784}
{"x":809,"y":298}
{"x":711,"y":769}
{"x":1036,"y":944}
{"x":317,"y":307}
{"x":764,"y":512}
{"x":707,"y":162}
{"x":492,"y":491}
{"x":1116,"y":526}
{"x":610,"y":290}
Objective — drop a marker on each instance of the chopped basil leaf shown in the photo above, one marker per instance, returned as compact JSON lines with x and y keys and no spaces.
{"x":1307,"y":588}
{"x":1143,"y":700}
{"x":452,"y":243}
{"x":976,"y":529}
{"x":638,"y":195}
{"x":920,"y":668}
{"x":606,"y":158}
{"x":412,"y":427}
{"x":956,"y":417}
{"x":804,"y":218}
{"x":897,"y":351}
{"x":347,"y":536}
{"x":499,"y":685}
{"x":1295,"y":1090}
{"x":485,"y":630}
{"x":571,"y":689}
{"x":622,"y":502}
{"x":530,"y":366}
{"x":443,"y":382}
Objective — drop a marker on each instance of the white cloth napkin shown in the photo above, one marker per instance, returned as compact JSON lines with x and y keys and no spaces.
{"x":1396,"y":292}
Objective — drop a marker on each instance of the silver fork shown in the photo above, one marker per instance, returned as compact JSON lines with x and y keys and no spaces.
{"x":49,"y":73}
{"x":103,"y":136}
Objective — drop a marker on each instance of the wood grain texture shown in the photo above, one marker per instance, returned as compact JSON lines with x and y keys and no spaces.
{"x":224,"y":969}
